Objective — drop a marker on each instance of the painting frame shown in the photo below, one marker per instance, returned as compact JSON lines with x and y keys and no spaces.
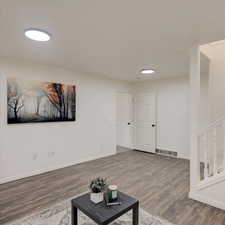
{"x":31,"y":101}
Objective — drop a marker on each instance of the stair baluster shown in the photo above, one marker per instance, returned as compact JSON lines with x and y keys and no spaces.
{"x":205,"y":149}
{"x":214,"y":152}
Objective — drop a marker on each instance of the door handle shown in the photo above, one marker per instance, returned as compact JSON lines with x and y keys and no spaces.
{"x":153,"y":125}
{"x":128,"y":123}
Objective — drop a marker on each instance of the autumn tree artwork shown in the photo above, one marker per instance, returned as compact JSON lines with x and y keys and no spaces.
{"x":30,"y":101}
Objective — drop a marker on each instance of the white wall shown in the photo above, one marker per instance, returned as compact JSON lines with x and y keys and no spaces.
{"x":172,"y":112}
{"x":204,"y":92}
{"x":216,"y":54}
{"x":26,"y":149}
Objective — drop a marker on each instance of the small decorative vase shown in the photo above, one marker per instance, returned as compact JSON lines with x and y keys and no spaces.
{"x":96,"y":197}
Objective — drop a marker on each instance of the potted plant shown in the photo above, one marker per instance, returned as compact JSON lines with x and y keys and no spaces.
{"x":97,"y":187}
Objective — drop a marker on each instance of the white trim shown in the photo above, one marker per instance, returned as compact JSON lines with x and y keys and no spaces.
{"x":212,"y":125}
{"x":208,"y":201}
{"x":48,"y":169}
{"x":209,"y":181}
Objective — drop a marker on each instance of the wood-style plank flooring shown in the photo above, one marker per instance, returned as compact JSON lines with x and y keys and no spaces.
{"x":160,"y":183}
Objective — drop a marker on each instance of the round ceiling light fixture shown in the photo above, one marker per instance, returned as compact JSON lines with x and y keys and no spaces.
{"x":147,"y":71}
{"x":37,"y":34}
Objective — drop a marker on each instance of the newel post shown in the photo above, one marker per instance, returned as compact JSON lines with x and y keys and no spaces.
{"x":194,"y":115}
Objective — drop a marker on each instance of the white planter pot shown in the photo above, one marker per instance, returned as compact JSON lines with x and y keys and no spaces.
{"x":97,"y":197}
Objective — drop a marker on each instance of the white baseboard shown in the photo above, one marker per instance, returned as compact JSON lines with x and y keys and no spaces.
{"x":48,"y":169}
{"x":206,"y":200}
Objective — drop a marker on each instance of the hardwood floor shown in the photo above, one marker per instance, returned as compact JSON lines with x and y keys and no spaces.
{"x":160,"y":183}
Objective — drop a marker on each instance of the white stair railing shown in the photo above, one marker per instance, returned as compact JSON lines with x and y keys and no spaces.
{"x":211,"y":146}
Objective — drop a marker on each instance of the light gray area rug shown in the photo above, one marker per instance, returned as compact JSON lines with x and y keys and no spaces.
{"x":60,"y":214}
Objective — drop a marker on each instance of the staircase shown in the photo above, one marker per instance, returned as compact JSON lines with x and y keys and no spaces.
{"x":211,"y":163}
{"x":211,"y":147}
{"x":207,"y":147}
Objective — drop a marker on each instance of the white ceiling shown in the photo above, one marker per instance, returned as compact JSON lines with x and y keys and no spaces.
{"x":115,"y":38}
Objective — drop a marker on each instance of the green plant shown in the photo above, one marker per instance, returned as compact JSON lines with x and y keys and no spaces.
{"x":98,"y":185}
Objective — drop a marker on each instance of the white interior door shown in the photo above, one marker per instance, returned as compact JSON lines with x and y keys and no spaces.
{"x":145,"y":122}
{"x":124,"y":120}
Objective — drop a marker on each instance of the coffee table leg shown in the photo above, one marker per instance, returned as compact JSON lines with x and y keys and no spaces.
{"x":74,"y":215}
{"x":135,"y":214}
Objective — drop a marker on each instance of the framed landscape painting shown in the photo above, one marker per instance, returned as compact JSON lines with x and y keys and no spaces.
{"x":31,"y":102}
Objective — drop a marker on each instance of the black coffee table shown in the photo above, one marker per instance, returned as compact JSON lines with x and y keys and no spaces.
{"x":101,"y":213}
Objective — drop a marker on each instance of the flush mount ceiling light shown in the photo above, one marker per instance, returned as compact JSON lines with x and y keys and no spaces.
{"x":147,"y":71}
{"x":37,"y":35}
